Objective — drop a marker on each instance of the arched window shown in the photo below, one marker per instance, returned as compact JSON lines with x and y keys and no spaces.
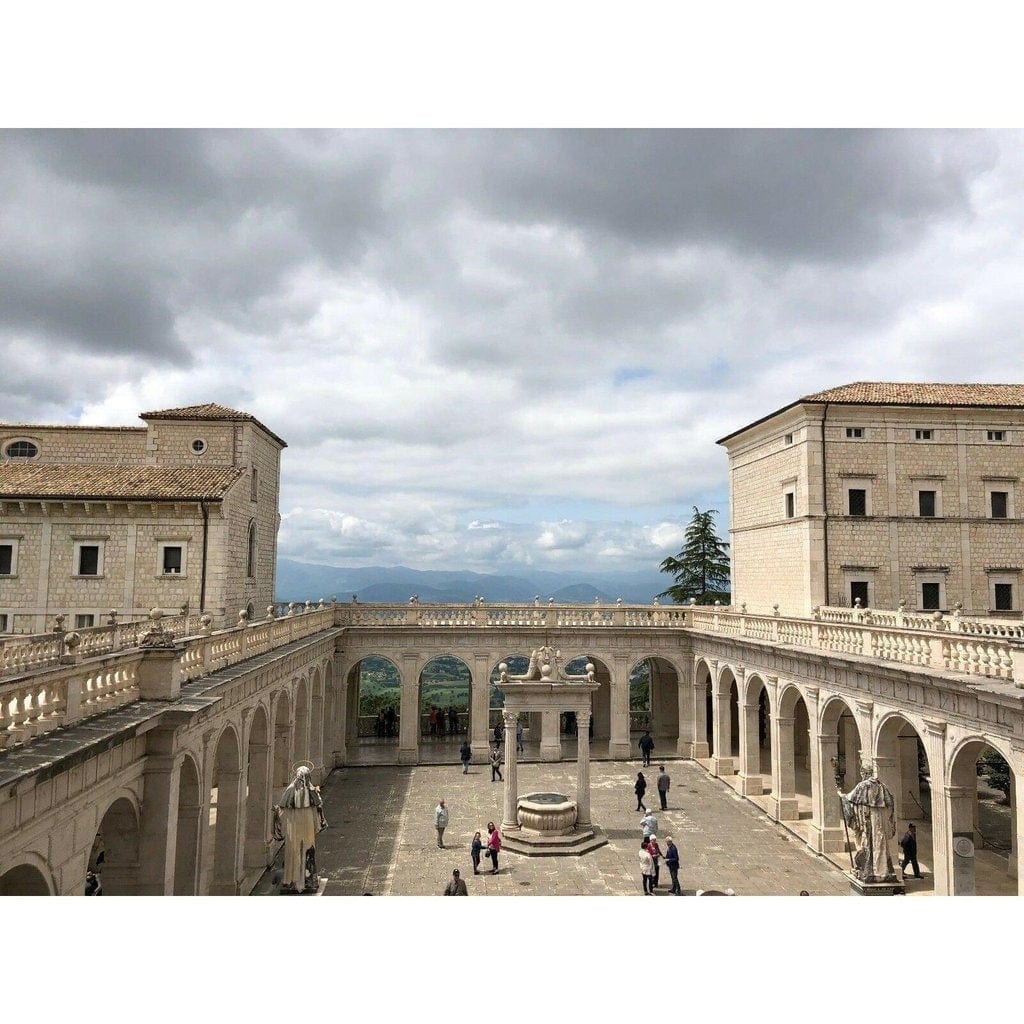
{"x":21,"y":450}
{"x":250,"y":560}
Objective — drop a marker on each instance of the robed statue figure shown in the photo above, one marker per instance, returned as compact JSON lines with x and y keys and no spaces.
{"x":869,"y":813}
{"x":298,"y":817}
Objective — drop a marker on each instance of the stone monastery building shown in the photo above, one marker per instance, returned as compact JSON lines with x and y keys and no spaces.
{"x":888,"y":493}
{"x":180,"y":513}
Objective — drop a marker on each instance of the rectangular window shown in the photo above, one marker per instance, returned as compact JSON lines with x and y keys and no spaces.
{"x":999,"y":504}
{"x":997,"y":435}
{"x":922,"y":435}
{"x":926,"y":504}
{"x":3,"y":623}
{"x":6,"y":559}
{"x":171,"y":562}
{"x":1003,"y":593}
{"x":858,"y":498}
{"x":854,"y":432}
{"x":84,"y":621}
{"x":859,"y":590}
{"x":254,"y":480}
{"x":790,"y":504}
{"x":88,"y":559}
{"x":930,"y":596}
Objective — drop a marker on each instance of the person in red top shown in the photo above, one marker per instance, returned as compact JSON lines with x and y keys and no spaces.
{"x":655,"y":851}
{"x":493,"y":845}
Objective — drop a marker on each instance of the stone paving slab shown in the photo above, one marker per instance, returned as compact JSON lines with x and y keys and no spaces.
{"x":382,"y":838}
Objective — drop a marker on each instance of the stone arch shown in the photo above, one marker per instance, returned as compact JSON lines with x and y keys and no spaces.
{"x":450,"y":685}
{"x":316,"y":717}
{"x":792,"y":786}
{"x":664,"y":678}
{"x":703,"y":709}
{"x":117,"y":860}
{"x":30,"y":877}
{"x":190,"y":811}
{"x":225,"y":806}
{"x":257,"y":793}
{"x":372,"y":684}
{"x":601,"y":699}
{"x":755,"y":736}
{"x":988,"y":871}
{"x":840,"y":737}
{"x":282,"y":758}
{"x":725,"y":718}
{"x":300,"y":739}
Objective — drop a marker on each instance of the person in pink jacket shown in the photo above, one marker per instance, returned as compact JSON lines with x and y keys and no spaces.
{"x":493,"y":845}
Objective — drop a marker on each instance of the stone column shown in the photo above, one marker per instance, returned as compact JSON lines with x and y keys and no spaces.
{"x":721,"y":761}
{"x":204,"y":873}
{"x":751,"y":783}
{"x":786,"y":807}
{"x":698,"y":698}
{"x":510,"y":820}
{"x":906,"y":752}
{"x":479,"y":734}
{"x":583,"y":768}
{"x":158,"y":828}
{"x":684,"y":700}
{"x":960,"y":804}
{"x":1016,"y":816}
{"x":619,"y":742}
{"x":827,"y":810}
{"x":409,"y":726}
{"x":231,"y":813}
{"x":550,"y":740}
{"x":934,"y":740}
{"x":337,"y":729}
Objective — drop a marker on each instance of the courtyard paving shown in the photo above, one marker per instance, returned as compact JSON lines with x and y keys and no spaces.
{"x":382,"y":839}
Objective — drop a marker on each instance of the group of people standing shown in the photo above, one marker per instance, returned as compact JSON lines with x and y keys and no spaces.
{"x":640,"y":788}
{"x":387,"y":723}
{"x":478,"y":848}
{"x":651,"y":853}
{"x":441,"y":721}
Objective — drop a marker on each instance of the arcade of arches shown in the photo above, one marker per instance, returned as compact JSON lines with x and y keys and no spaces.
{"x":181,"y":802}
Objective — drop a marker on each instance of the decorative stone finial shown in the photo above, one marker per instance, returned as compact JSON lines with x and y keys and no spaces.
{"x":657,"y":603}
{"x":551,"y":600}
{"x":156,"y":614}
{"x":743,"y":607}
{"x":536,"y":600}
{"x":112,"y":617}
{"x":718,"y":604}
{"x":355,"y":600}
{"x":856,"y":602}
{"x":902,"y":604}
{"x":693,"y":601}
{"x":271,"y":612}
{"x":243,"y":617}
{"x":308,"y":607}
{"x":206,"y":622}
{"x":72,"y":640}
{"x":618,"y":600}
{"x":334,"y":600}
{"x":291,"y":608}
{"x":58,"y":624}
{"x":816,"y":612}
{"x":775,"y":609}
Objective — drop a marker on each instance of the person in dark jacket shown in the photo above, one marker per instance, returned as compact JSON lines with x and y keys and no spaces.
{"x":640,"y":787}
{"x":672,"y":863}
{"x":646,"y":745}
{"x":909,"y":846}
{"x":456,"y":887}
{"x":466,"y":754}
{"x":475,"y":849}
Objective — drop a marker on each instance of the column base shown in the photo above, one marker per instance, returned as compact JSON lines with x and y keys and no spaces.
{"x":550,"y":753}
{"x":722,"y":766}
{"x":786,"y":809}
{"x":699,"y":750}
{"x":408,"y":756}
{"x":827,"y":840}
{"x":751,"y":785}
{"x":480,"y":748}
{"x":339,"y":757}
{"x":619,"y":750}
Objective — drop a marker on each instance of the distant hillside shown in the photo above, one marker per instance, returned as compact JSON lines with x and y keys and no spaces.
{"x":301,"y":581}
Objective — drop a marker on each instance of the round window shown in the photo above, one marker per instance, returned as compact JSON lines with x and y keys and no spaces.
{"x":21,"y":450}
{"x":199,"y":446}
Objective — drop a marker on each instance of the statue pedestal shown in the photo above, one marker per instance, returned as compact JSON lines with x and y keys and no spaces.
{"x":877,"y":888}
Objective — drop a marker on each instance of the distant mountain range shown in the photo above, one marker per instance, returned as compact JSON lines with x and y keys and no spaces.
{"x":302,"y":581}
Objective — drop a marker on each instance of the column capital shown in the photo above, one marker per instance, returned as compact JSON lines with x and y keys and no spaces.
{"x":510,"y":718}
{"x":934,"y":727}
{"x":865,"y":707}
{"x":771,"y":680}
{"x":751,"y":707}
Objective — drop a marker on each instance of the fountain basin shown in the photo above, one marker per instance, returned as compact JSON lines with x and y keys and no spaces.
{"x":547,"y":814}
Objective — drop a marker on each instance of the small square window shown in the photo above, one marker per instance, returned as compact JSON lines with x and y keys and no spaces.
{"x":172,"y":560}
{"x":858,"y":498}
{"x":922,"y":435}
{"x":930,"y":596}
{"x":997,"y":435}
{"x":88,"y":560}
{"x":7,"y":559}
{"x":84,"y":621}
{"x":926,"y":504}
{"x":790,"y":504}
{"x":1003,"y":593}
{"x":789,"y":439}
{"x":999,"y":504}
{"x":854,"y":432}
{"x":859,"y":591}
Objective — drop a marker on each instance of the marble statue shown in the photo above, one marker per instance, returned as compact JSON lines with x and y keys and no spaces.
{"x":869,"y":814}
{"x":298,"y":817}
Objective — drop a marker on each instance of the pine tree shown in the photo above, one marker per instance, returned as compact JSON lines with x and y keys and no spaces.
{"x":701,"y":569}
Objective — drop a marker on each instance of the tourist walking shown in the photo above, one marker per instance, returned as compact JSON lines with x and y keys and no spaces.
{"x":498,"y":734}
{"x":519,"y":738}
{"x":465,"y":755}
{"x":655,"y":851}
{"x":909,"y":846}
{"x":493,"y":845}
{"x":646,"y":745}
{"x":496,"y":765}
{"x":640,"y":787}
{"x":646,"y":869}
{"x":649,"y":825}
{"x":440,"y":822}
{"x":664,"y":781}
{"x":475,"y":849}
{"x":456,"y":887}
{"x":672,"y":863}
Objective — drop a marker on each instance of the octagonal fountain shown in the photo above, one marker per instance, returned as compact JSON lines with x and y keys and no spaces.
{"x":547,"y":814}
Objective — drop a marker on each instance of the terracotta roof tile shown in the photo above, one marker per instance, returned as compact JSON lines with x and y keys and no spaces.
{"x":141,"y":483}
{"x":880,"y":393}
{"x":208,"y":411}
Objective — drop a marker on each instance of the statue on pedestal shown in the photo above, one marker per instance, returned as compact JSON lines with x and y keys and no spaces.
{"x":298,"y":817}
{"x":868,"y":812}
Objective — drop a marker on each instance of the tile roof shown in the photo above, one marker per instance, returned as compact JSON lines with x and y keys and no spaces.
{"x":985,"y":396}
{"x":207,"y":411}
{"x":140,"y":483}
{"x":880,"y":393}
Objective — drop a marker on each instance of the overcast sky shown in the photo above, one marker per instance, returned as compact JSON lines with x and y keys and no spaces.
{"x":491,"y":350}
